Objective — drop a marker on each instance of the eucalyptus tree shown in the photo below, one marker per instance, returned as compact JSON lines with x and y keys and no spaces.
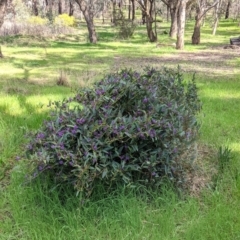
{"x":202,"y":7}
{"x":178,"y":18}
{"x":181,"y":18}
{"x":90,"y":8}
{"x":131,"y":10}
{"x":181,"y":6}
{"x":147,"y":7}
{"x":115,"y":5}
{"x":229,"y":4}
{"x":3,"y":6}
{"x":217,"y":13}
{"x":173,"y":6}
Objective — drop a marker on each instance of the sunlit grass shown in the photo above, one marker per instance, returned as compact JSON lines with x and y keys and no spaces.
{"x":23,"y":108}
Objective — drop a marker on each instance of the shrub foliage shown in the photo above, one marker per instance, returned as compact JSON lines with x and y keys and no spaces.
{"x":125,"y":26}
{"x":130,"y":127}
{"x":65,"y":20}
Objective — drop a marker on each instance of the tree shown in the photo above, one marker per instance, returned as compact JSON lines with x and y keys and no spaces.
{"x":181,"y":19}
{"x":34,"y":8}
{"x":71,"y":9}
{"x":216,"y":16}
{"x":131,"y":9}
{"x":228,"y":8}
{"x":60,"y":7}
{"x":203,"y":6}
{"x":3,"y":6}
{"x":87,"y":8}
{"x":181,"y":24}
{"x":173,"y":6}
{"x":147,"y":9}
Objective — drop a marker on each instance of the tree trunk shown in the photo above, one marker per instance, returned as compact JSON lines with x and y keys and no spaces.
{"x":216,"y":17}
{"x":114,"y":12}
{"x":103,"y":13}
{"x":71,"y":9}
{"x":91,"y":29}
{"x":215,"y":25}
{"x":129,"y":9}
{"x":174,"y":19}
{"x":168,"y":12}
{"x":197,"y":32}
{"x":155,"y":20}
{"x":202,"y":9}
{"x":49,"y":7}
{"x":87,"y":10}
{"x":181,"y":24}
{"x":149,"y":21}
{"x":227,"y":9}
{"x":143,"y":17}
{"x":60,"y":7}
{"x":133,"y":10}
{"x":34,"y":8}
{"x":3,"y":5}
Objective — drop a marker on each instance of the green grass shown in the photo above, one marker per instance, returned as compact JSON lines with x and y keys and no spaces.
{"x":28,"y":82}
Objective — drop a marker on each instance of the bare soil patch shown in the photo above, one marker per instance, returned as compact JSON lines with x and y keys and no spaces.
{"x":216,"y":61}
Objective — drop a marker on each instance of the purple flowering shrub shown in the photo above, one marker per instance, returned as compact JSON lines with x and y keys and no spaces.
{"x":132,"y":127}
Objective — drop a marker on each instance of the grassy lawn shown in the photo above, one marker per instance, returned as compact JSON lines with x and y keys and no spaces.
{"x":28,"y":75}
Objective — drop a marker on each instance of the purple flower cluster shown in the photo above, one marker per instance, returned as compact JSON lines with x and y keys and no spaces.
{"x":40,"y":135}
{"x":100,"y":92}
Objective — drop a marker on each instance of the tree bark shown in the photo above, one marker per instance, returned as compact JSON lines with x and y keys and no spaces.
{"x":103,"y":12}
{"x":91,"y":29}
{"x":34,"y":8}
{"x":227,"y":9}
{"x":197,"y":31}
{"x":202,"y":9}
{"x":60,"y":11}
{"x":129,"y":9}
{"x":3,"y":6}
{"x":174,"y":6}
{"x":114,"y":12}
{"x":216,"y":17}
{"x":71,"y":9}
{"x":147,"y":14}
{"x":49,"y":9}
{"x":181,"y":24}
{"x":151,"y":36}
{"x":168,"y":12}
{"x":133,"y":10}
{"x":143,"y":17}
{"x":87,"y":10}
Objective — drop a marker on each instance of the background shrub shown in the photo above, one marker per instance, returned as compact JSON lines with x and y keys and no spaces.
{"x":130,"y":127}
{"x":35,"y":20}
{"x":65,"y":20}
{"x":125,"y":26}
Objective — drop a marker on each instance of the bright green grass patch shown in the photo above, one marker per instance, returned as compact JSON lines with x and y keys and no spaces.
{"x":37,"y":213}
{"x":23,"y":108}
{"x":221,"y":100}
